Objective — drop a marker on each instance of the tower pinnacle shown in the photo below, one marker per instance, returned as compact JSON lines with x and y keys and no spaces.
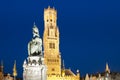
{"x":107,"y":68}
{"x":1,"y":67}
{"x":63,"y":65}
{"x":14,"y":70}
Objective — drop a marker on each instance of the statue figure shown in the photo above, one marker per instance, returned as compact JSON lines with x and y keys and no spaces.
{"x":35,"y":46}
{"x":35,"y":31}
{"x":34,"y":68}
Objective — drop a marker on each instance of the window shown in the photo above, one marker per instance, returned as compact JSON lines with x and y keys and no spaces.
{"x":52,"y":45}
{"x":51,"y":20}
{"x":53,"y":69}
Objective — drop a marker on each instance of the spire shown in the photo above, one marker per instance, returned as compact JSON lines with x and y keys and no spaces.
{"x":63,"y":65}
{"x":35,"y":31}
{"x":99,"y":75}
{"x":48,"y":7}
{"x":63,"y":69}
{"x":34,"y":24}
{"x":107,"y":68}
{"x":14,"y":70}
{"x":87,"y":77}
{"x":2,"y":66}
{"x":90,"y":77}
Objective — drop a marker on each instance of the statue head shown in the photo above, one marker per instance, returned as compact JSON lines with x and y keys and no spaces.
{"x":35,"y":31}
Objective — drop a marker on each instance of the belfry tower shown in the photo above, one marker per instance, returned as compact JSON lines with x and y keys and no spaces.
{"x":52,"y":57}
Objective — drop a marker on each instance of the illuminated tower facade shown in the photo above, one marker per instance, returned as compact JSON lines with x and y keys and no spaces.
{"x":51,"y":42}
{"x":52,"y":56}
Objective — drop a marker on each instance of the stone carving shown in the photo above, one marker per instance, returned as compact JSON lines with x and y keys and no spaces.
{"x":35,"y":46}
{"x":34,"y":68}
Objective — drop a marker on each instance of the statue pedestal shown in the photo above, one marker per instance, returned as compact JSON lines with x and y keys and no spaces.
{"x":34,"y":70}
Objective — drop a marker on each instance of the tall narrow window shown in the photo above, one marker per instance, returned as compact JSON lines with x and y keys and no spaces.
{"x":52,"y":45}
{"x":48,"y":31}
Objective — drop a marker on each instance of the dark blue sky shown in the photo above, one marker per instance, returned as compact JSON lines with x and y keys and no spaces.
{"x":89,"y":32}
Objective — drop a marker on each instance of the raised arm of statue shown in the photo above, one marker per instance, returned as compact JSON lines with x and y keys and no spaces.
{"x":35,"y":32}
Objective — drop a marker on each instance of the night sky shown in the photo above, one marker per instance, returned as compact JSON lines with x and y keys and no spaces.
{"x":89,"y":32}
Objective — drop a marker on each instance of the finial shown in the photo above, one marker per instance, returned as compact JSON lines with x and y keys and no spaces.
{"x":35,"y":31}
{"x":99,"y":75}
{"x":8,"y":74}
{"x":77,"y":70}
{"x":91,"y":77}
{"x":107,"y":68}
{"x":14,"y":69}
{"x":48,"y":7}
{"x":87,"y":77}
{"x":63,"y":65}
{"x":34,"y":23}
{"x":1,"y":65}
{"x":78,"y":73}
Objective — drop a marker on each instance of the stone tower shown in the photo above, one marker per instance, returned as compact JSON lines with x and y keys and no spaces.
{"x":51,"y":42}
{"x":33,"y":67}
